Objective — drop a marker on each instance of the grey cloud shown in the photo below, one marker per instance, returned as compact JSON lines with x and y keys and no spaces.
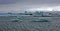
{"x":39,"y":2}
{"x":30,"y":1}
{"x":8,"y":1}
{"x":26,"y":4}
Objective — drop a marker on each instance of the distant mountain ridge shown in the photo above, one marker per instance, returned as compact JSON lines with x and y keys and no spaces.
{"x":16,"y":14}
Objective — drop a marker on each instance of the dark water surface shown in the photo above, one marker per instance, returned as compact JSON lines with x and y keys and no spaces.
{"x":25,"y":24}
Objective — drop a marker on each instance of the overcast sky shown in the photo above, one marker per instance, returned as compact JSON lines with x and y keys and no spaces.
{"x":20,"y":5}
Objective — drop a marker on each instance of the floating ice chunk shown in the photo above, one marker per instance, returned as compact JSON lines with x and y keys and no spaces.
{"x":41,"y":20}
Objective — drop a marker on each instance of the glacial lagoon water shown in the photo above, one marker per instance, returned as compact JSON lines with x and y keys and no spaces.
{"x":25,"y":23}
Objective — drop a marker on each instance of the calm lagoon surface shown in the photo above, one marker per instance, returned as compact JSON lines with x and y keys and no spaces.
{"x":24,"y":23}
